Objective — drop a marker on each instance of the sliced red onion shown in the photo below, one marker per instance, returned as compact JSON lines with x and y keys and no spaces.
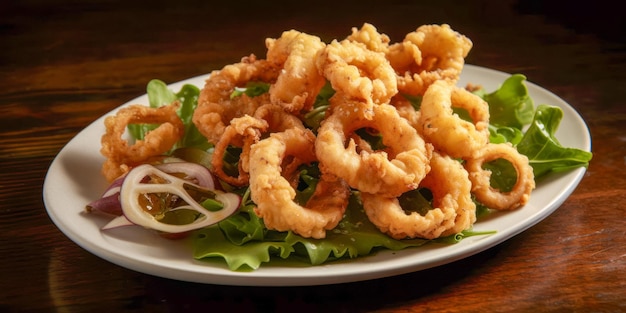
{"x":109,"y":202}
{"x":133,"y":187}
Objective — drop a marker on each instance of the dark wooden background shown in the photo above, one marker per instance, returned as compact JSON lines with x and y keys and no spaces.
{"x":64,"y":63}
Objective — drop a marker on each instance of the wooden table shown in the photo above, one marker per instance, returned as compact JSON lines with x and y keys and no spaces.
{"x":63,"y":64}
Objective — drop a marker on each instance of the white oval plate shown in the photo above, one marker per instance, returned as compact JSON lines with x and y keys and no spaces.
{"x":74,"y":180}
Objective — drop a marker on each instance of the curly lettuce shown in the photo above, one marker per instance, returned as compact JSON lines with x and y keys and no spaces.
{"x":245,"y":244}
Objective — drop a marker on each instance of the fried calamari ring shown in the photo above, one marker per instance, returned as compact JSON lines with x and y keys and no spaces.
{"x":274,"y":194}
{"x":121,"y":155}
{"x":299,"y":81}
{"x":245,"y":131}
{"x":242,"y":132}
{"x":431,"y":53}
{"x":216,"y":107}
{"x":446,"y":130}
{"x":453,"y":209}
{"x":277,"y":118}
{"x":361,"y":74}
{"x":370,"y":37}
{"x":392,"y":172}
{"x":481,"y":185}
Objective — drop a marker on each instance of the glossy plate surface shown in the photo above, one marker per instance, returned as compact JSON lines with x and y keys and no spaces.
{"x":74,"y":180}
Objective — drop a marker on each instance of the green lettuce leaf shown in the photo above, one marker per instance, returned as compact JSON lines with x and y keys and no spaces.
{"x":244,"y":245}
{"x":505,"y":134}
{"x":510,"y":105}
{"x":211,"y":242}
{"x":545,"y":153}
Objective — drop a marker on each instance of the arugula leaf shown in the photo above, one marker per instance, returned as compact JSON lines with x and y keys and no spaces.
{"x":542,"y":148}
{"x":354,"y":236}
{"x":510,"y":105}
{"x":505,"y":134}
{"x":503,"y":174}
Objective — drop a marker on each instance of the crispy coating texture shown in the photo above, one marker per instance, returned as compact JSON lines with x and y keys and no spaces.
{"x":274,"y":194}
{"x":361,"y":74}
{"x":121,"y":155}
{"x":370,"y":37}
{"x":429,"y":54}
{"x":391,"y":172}
{"x":299,"y":82}
{"x":481,"y":186}
{"x":448,"y":132}
{"x":453,"y":209}
{"x":247,"y":130}
{"x":216,"y":107}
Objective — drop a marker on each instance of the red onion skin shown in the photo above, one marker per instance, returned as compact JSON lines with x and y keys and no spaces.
{"x":109,"y":205}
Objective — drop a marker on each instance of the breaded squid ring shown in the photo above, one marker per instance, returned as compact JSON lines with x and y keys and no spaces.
{"x":361,"y":74}
{"x":277,"y":118}
{"x":392,"y":172}
{"x":446,"y":130}
{"x":370,"y":37}
{"x":120,"y":155}
{"x":274,"y":194}
{"x":481,"y":185}
{"x":299,"y":81}
{"x":431,"y":53}
{"x":245,"y":131}
{"x":216,"y":108}
{"x":453,"y":209}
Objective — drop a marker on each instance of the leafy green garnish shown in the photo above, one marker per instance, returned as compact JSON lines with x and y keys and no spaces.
{"x":511,"y":109}
{"x":245,"y":244}
{"x":510,"y":105}
{"x":416,"y":101}
{"x":542,"y":148}
{"x":505,"y":134}
{"x":503,"y":174}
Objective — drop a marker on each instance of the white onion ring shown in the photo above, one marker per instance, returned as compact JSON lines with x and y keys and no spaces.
{"x":192,"y":171}
{"x":133,"y":211}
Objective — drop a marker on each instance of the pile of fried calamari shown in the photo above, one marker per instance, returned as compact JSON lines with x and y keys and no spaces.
{"x":373,"y":80}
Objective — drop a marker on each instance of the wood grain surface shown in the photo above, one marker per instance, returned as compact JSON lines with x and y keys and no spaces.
{"x":65,"y":63}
